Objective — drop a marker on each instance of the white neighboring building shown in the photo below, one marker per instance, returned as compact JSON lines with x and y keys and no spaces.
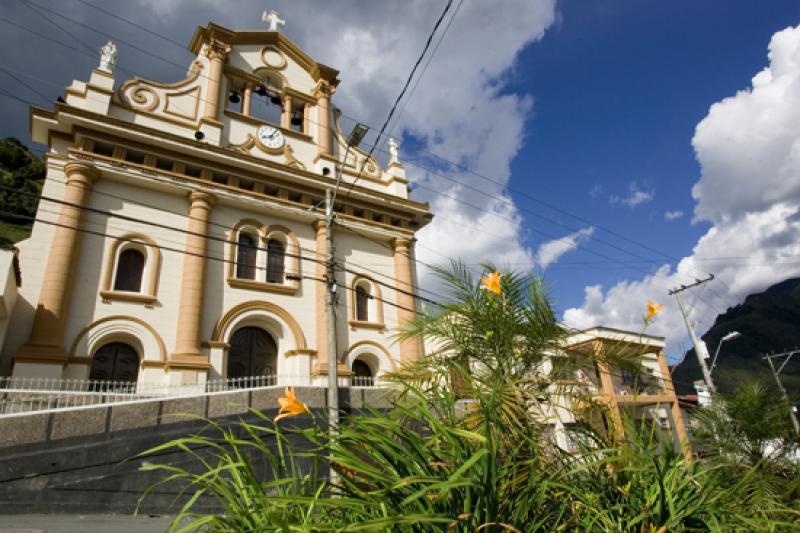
{"x":214,"y":268}
{"x":10,"y":281}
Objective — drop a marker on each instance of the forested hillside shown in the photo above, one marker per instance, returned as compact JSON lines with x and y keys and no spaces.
{"x":769,"y":321}
{"x":20,"y":170}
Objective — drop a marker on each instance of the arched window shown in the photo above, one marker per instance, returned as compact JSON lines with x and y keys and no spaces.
{"x":276,"y":257}
{"x":115,"y":361}
{"x":246,"y":257}
{"x":253,"y":353}
{"x":362,"y":303}
{"x":362,"y":374}
{"x":130,"y":267}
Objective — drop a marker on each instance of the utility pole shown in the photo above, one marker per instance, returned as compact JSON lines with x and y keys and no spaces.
{"x":353,"y":140}
{"x":330,"y":316}
{"x":700,"y":349}
{"x":777,"y":375}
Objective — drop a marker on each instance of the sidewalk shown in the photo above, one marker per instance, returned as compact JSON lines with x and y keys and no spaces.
{"x":89,"y":523}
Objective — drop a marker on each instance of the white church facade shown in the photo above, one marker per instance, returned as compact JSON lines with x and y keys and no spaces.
{"x":181,"y":234}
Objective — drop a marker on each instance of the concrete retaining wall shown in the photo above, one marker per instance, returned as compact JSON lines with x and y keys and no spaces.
{"x":85,"y":460}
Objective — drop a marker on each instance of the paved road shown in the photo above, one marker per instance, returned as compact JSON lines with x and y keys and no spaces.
{"x":88,"y":523}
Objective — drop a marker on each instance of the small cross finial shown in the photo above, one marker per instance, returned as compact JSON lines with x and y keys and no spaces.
{"x":274,"y":21}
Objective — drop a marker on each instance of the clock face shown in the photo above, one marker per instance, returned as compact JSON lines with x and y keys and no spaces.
{"x":270,"y":137}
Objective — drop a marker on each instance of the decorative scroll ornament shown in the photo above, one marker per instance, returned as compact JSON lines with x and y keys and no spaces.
{"x":245,"y":146}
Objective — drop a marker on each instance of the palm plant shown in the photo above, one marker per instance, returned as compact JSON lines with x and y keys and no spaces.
{"x":465,"y":448}
{"x":749,"y":430}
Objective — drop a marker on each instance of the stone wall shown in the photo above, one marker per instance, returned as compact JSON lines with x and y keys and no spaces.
{"x":87,"y":460}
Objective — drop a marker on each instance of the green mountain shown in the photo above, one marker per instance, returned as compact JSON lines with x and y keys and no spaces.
{"x":20,"y":170}
{"x":769,"y":322}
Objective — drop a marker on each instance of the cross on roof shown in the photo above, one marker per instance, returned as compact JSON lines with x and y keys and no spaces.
{"x":274,"y":21}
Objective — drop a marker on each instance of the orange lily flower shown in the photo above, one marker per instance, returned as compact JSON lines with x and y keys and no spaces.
{"x":290,"y":406}
{"x":491,"y":282}
{"x":652,"y":309}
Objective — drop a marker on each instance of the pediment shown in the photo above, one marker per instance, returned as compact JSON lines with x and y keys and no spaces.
{"x":275,"y":46}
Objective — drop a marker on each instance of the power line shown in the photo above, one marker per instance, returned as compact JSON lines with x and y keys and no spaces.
{"x":475,"y":228}
{"x":504,"y":238}
{"x":432,"y":190}
{"x":205,"y":236}
{"x":402,"y":92}
{"x":167,"y":248}
{"x":425,"y":68}
{"x":458,"y":165}
{"x":135,"y":25}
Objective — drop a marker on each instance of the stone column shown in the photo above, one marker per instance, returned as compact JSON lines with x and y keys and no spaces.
{"x":322,"y":327}
{"x":216,"y":52}
{"x":286,"y":115}
{"x":247,"y":98}
{"x":47,"y":335}
{"x":323,"y":94}
{"x":409,"y":348}
{"x":190,"y":312}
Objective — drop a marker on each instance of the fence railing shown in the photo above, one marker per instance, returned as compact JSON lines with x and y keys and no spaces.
{"x":21,"y":395}
{"x":362,"y":381}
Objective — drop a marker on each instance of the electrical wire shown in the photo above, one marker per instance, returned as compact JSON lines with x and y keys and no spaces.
{"x":402,"y":92}
{"x":374,"y":145}
{"x":205,"y":236}
{"x":457,"y":165}
{"x":585,"y":249}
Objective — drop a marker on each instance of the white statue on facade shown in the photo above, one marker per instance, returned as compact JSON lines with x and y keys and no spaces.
{"x":393,"y":158}
{"x":274,"y":21}
{"x":108,"y":57}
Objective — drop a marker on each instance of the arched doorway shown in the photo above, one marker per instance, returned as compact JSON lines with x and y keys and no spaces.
{"x":362,"y":374}
{"x":115,"y":361}
{"x":253,"y":353}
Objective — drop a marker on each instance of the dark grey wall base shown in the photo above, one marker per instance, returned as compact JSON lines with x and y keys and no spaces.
{"x":84,"y":461}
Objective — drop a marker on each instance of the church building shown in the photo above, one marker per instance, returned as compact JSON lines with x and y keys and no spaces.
{"x":181,"y":232}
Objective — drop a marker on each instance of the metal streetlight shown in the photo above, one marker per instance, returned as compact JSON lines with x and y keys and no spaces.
{"x":729,"y":337}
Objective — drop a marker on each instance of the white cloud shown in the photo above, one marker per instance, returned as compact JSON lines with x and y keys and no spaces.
{"x":635,"y":196}
{"x":748,"y":147}
{"x":551,"y":251}
{"x":461,"y":110}
{"x":673,"y":215}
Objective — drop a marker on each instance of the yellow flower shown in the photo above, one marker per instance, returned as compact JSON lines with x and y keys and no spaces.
{"x":290,"y":406}
{"x":652,"y":309}
{"x":491,"y":282}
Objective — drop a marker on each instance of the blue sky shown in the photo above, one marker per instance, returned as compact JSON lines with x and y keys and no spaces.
{"x":619,"y":88}
{"x":610,"y":110}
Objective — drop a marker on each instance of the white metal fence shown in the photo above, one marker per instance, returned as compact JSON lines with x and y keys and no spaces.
{"x":22,"y":395}
{"x":25,"y":395}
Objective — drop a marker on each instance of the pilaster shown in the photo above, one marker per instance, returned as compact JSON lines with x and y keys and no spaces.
{"x":46,"y":344}
{"x":190,"y":313}
{"x":321,"y":228}
{"x":323,"y":94}
{"x":410,"y":349}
